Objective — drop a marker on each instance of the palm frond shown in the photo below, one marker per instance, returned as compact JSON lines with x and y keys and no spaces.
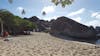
{"x":10,"y":1}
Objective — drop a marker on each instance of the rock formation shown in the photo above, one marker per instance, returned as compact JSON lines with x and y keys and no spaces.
{"x":42,"y":25}
{"x":69,"y":27}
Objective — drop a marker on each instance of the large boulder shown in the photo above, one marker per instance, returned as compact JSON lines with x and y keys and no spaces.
{"x":69,"y":27}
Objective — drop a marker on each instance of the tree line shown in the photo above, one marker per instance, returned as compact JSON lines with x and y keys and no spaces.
{"x":14,"y":24}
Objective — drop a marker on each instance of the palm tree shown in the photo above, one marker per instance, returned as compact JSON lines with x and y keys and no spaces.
{"x":5,"y":20}
{"x":62,"y":2}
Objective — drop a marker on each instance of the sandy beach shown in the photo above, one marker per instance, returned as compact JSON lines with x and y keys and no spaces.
{"x":43,"y":44}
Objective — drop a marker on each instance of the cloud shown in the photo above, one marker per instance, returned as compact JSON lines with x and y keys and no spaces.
{"x":93,"y":23}
{"x":96,"y":15}
{"x":50,"y":18}
{"x":76,"y":12}
{"x":48,"y":9}
{"x":46,"y":1}
{"x":20,"y":9}
{"x":78,"y":19}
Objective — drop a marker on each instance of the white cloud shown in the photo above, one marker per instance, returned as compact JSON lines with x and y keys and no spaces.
{"x":46,"y":1}
{"x":93,"y":23}
{"x":78,"y":19}
{"x":96,"y":15}
{"x":20,"y":9}
{"x":48,"y":9}
{"x":76,"y":12}
{"x":49,"y":18}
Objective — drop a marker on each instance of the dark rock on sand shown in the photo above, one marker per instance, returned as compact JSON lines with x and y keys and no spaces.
{"x":69,"y":27}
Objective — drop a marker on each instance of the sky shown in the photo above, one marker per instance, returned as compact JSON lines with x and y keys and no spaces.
{"x":86,"y":12}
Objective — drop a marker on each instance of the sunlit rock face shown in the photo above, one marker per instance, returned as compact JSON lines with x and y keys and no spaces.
{"x":69,"y":27}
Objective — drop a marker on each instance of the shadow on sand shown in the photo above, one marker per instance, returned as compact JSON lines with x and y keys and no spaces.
{"x":92,"y":41}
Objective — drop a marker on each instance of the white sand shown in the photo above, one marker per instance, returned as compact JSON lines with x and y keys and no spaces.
{"x":43,"y":44}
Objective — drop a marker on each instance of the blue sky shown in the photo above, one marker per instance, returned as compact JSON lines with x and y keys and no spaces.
{"x":84,"y":11}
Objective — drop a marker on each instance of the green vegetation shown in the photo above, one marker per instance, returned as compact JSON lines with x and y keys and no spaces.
{"x":15,"y":24}
{"x":62,"y":2}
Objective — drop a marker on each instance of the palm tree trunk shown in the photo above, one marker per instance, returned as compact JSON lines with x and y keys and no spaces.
{"x":1,"y":27}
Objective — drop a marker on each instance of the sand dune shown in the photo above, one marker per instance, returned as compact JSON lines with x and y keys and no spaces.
{"x":43,"y":44}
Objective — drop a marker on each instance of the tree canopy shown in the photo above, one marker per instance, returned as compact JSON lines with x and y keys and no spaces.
{"x":62,"y":2}
{"x":12,"y":22}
